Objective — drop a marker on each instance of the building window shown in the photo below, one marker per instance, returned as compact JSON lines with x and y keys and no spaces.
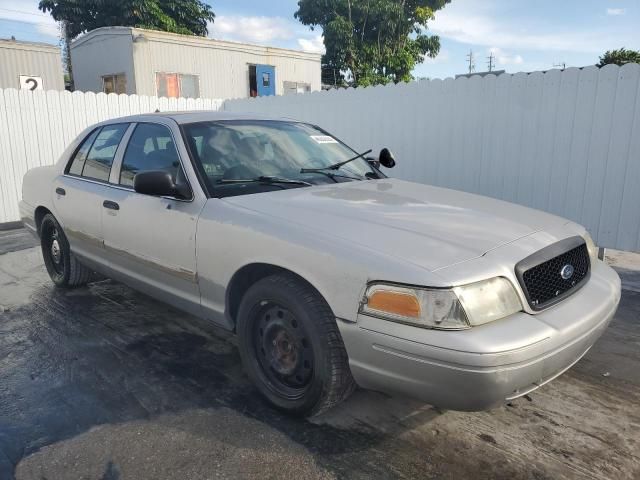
{"x":295,"y":87}
{"x":114,"y":83}
{"x":175,"y":85}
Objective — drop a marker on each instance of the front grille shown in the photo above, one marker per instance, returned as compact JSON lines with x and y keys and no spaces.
{"x":541,"y":274}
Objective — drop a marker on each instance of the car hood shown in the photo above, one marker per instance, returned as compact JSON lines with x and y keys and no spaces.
{"x":428,"y":226}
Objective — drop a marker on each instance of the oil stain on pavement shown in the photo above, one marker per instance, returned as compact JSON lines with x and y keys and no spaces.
{"x":105,"y":383}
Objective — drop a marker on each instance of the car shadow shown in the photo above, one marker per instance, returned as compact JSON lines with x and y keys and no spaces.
{"x":105,"y":354}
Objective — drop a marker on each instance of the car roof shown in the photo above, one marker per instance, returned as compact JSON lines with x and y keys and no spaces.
{"x":196,"y":116}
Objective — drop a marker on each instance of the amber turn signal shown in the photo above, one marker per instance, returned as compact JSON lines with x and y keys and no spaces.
{"x":396,"y":303}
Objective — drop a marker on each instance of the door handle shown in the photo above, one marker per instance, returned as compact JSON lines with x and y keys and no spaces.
{"x":61,"y":191}
{"x":110,"y":205}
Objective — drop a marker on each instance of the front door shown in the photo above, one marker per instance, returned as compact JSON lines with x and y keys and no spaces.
{"x":266,"y":80}
{"x":149,"y":240}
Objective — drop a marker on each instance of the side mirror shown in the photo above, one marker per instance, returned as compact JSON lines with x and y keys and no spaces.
{"x":159,"y":183}
{"x":386,"y":158}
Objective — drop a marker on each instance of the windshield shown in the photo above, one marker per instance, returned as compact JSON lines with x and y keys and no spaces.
{"x":251,"y":156}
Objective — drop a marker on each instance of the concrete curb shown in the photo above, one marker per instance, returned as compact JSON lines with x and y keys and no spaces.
{"x":10,"y":226}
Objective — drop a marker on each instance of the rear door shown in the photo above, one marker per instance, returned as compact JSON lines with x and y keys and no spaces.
{"x":79,"y":193}
{"x":149,"y":240}
{"x":266,"y":80}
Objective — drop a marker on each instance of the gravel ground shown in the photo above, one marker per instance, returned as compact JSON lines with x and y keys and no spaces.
{"x":105,"y":383}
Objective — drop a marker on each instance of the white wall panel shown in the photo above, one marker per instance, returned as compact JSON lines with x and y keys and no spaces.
{"x":619,"y":142}
{"x":36,"y":127}
{"x":567,"y":142}
{"x":32,"y":59}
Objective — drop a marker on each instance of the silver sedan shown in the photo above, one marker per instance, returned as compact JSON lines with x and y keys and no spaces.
{"x":331,"y":274}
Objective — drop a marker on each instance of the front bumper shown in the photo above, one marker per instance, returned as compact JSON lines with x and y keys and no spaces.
{"x":484,"y":366}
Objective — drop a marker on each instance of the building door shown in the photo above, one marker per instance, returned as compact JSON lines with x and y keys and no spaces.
{"x":266,"y":80}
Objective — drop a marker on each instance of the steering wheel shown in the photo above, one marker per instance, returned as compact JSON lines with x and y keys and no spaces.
{"x":317,"y":162}
{"x":240,"y":172}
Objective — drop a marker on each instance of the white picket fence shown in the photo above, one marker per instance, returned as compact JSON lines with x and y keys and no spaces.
{"x":567,"y":142}
{"x":35,"y":128}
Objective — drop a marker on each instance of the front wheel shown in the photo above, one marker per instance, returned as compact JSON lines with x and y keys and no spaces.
{"x":291,"y":346}
{"x":63,"y":267}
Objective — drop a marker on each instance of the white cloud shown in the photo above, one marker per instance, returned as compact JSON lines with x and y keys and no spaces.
{"x":442,"y":57}
{"x":315,"y":44}
{"x":261,"y":30}
{"x":26,"y":12}
{"x":476,"y":27}
{"x":616,"y":11}
{"x":504,"y":58}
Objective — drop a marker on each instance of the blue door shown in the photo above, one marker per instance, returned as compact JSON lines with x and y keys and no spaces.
{"x":266,"y":80}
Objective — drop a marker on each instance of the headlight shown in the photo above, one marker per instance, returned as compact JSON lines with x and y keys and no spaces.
{"x":446,"y":309}
{"x":591,"y":247}
{"x":488,"y":300}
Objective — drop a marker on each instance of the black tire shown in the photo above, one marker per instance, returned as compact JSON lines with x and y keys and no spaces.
{"x":63,"y":267}
{"x":291,"y":347}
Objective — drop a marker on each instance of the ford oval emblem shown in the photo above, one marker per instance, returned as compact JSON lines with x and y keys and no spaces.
{"x":567,"y":272}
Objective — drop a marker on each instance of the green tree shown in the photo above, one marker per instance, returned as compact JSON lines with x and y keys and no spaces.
{"x":619,"y":57}
{"x":372,"y":41}
{"x":189,"y":17}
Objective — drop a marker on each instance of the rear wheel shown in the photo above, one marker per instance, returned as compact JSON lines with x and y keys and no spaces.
{"x":64,"y":268}
{"x":291,"y":346}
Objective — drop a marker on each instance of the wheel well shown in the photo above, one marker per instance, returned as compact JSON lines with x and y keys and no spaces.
{"x":247,"y":276}
{"x":38,"y":216}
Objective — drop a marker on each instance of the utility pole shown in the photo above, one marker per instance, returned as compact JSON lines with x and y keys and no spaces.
{"x":491,"y":64}
{"x":472,"y":63}
{"x":561,"y":64}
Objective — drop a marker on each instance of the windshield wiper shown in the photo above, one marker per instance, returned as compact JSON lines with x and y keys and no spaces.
{"x":265,"y":179}
{"x":332,"y":175}
{"x":335,"y":166}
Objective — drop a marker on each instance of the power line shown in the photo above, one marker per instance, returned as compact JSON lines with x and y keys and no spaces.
{"x":51,"y":26}
{"x":22,"y":28}
{"x":23,"y":23}
{"x":26,"y":22}
{"x":23,"y":12}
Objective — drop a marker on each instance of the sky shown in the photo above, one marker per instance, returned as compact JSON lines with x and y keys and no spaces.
{"x":522,"y":35}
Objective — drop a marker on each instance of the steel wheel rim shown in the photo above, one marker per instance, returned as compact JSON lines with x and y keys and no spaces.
{"x":54,"y":250}
{"x":283,"y":350}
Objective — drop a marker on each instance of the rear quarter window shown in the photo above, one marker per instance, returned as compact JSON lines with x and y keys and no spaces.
{"x":97,"y":166}
{"x":77,"y":163}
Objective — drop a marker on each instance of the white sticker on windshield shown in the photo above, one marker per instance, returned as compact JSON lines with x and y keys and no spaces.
{"x":324,"y":139}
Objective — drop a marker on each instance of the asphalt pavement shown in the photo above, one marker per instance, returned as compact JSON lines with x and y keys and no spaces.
{"x":105,"y":383}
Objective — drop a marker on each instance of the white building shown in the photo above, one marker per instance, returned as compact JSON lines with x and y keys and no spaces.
{"x":148,"y":62}
{"x":31,"y":66}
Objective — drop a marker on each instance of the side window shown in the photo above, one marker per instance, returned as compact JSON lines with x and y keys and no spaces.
{"x":77,"y":164}
{"x":150,"y":148}
{"x":98,"y":163}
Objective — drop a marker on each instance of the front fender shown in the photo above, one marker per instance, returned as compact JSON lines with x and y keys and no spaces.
{"x":230,"y":237}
